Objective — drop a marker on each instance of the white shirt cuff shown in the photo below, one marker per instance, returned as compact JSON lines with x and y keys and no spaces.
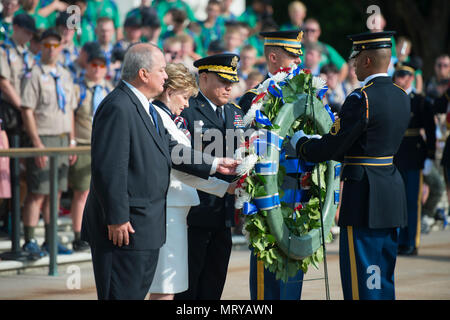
{"x":214,"y":166}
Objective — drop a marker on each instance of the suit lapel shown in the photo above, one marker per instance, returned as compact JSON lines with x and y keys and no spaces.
{"x":148,"y":123}
{"x":206,"y":109}
{"x":229,"y":116}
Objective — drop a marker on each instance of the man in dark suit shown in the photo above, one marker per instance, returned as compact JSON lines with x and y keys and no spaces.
{"x":414,"y":158}
{"x":124,"y":217}
{"x":368,"y":132}
{"x":209,"y":234}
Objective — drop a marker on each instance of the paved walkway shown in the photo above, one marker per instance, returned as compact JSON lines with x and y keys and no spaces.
{"x":426,"y":276}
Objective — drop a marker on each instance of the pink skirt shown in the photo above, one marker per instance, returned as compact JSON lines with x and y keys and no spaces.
{"x":5,"y":180}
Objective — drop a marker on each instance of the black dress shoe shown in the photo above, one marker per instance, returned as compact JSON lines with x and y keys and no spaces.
{"x":407,"y":251}
{"x":80,"y":245}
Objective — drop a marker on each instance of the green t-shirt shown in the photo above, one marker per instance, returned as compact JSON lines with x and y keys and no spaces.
{"x":164,"y":6}
{"x":51,"y":18}
{"x":40,"y":21}
{"x":97,"y":9}
{"x":249,"y":16}
{"x":86,"y":34}
{"x":207,"y":35}
{"x":5,"y":29}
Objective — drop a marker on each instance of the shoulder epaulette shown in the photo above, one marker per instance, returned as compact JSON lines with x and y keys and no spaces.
{"x":366,"y":86}
{"x":236,"y":105}
{"x":254,"y":91}
{"x":399,"y":87}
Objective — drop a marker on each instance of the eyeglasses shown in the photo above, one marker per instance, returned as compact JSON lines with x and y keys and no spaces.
{"x":311,"y":30}
{"x":51,"y":45}
{"x":97,"y":65}
{"x":443,"y":65}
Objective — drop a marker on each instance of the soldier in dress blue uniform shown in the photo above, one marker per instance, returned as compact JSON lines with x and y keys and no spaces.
{"x":281,"y":49}
{"x":414,"y":153}
{"x":370,"y":128}
{"x":209,"y":233}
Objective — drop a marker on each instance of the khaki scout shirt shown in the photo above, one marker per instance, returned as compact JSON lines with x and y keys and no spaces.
{"x":39,"y":94}
{"x":14,"y":69}
{"x":73,"y":54}
{"x":83,"y":114}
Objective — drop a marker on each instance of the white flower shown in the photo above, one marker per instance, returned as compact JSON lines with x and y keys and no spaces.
{"x":247,"y":164}
{"x":241,"y":199}
{"x":280,"y":76}
{"x":251,"y":114}
{"x":240,"y":153}
{"x":318,"y":83}
{"x":263,"y":86}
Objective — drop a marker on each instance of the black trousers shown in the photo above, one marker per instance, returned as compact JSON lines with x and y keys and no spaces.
{"x":123,"y":274}
{"x":208,"y":256}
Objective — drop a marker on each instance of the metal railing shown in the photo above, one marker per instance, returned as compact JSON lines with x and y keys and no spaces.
{"x":53,"y":154}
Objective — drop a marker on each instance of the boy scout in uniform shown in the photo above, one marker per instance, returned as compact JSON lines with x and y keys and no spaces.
{"x":48,"y":101}
{"x":415,"y":156}
{"x":6,"y":17}
{"x":15,"y":62}
{"x":91,"y":92}
{"x":368,"y":132}
{"x":69,"y":52}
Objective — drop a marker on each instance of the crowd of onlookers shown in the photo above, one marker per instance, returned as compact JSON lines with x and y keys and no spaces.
{"x":91,"y":56}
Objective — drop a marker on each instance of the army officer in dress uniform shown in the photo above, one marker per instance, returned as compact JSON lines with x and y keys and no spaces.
{"x":209,"y":234}
{"x":365,"y":137}
{"x":414,"y":152}
{"x":281,"y":49}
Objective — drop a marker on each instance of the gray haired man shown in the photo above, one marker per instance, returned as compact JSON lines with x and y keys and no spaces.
{"x":124,"y":218}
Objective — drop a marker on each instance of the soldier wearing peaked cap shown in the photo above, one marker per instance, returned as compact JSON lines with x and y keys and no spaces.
{"x":281,"y":49}
{"x":414,"y":154}
{"x":209,"y":234}
{"x":368,"y":133}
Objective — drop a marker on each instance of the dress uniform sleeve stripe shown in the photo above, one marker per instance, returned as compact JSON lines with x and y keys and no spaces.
{"x":353,"y":271}
{"x":399,"y":87}
{"x":419,"y":210}
{"x":367,"y":104}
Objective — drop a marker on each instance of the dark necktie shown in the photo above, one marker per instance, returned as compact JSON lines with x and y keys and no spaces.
{"x":220,"y":116}
{"x":154,"y":115}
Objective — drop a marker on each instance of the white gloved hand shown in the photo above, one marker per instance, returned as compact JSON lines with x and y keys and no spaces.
{"x":427,"y":167}
{"x":316,"y":136}
{"x":297,"y":136}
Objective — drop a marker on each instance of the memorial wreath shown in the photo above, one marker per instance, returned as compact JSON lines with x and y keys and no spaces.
{"x":284,"y":237}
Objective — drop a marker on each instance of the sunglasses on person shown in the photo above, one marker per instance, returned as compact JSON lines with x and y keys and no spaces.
{"x":51,"y":45}
{"x":98,"y":65}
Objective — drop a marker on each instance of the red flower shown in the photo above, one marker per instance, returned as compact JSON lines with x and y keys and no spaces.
{"x":305,"y":181}
{"x":298,"y":208}
{"x":259,"y":97}
{"x":307,"y":71}
{"x":241,"y":181}
{"x":287,"y":70}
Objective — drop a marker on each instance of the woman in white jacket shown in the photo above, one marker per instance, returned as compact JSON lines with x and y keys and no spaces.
{"x":171,"y":275}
